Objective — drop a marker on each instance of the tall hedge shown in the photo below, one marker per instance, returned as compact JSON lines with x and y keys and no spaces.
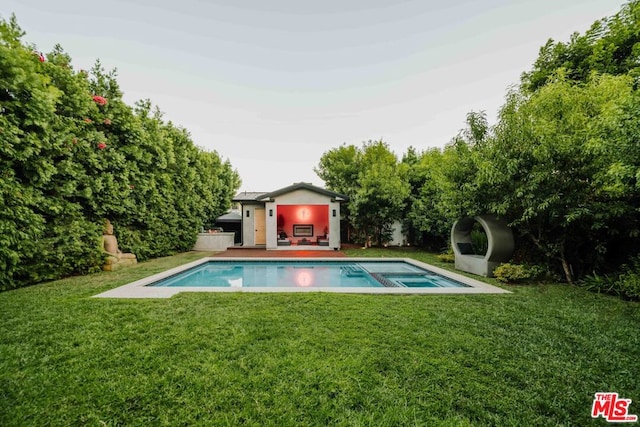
{"x":73,"y":154}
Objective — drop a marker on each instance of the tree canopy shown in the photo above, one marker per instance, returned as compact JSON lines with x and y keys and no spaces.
{"x":376,"y":185}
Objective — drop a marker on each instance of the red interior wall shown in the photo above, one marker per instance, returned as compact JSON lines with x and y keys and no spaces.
{"x":317,"y":215}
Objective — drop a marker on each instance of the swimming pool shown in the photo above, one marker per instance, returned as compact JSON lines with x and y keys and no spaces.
{"x":351,"y":275}
{"x":330,"y":274}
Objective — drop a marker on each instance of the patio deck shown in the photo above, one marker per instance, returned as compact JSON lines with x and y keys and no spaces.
{"x":263,"y":253}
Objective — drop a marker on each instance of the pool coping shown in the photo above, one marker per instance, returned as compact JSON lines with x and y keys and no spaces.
{"x":139,"y":288}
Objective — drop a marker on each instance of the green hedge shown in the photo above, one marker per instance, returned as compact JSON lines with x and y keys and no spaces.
{"x":72,"y":154}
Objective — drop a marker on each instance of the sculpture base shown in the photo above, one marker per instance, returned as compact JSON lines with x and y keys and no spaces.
{"x":475,"y":264}
{"x":113,"y":265}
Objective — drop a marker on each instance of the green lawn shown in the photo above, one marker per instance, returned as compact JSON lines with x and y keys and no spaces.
{"x":533,"y":357}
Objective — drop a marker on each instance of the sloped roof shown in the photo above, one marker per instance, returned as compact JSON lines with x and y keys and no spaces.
{"x":304,"y":186}
{"x":230,"y":217}
{"x":248,"y":196}
{"x":253,"y":196}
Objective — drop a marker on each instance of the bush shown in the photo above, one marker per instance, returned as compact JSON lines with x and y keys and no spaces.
{"x":629,"y":283}
{"x":517,"y":273}
{"x":599,"y":284}
{"x":626,"y":284}
{"x":446,"y":257}
{"x":479,"y":239}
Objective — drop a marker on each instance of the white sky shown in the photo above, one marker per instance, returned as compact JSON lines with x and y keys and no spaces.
{"x":271,"y":85}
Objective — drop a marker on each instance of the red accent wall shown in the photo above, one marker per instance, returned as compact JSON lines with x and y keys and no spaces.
{"x":316,"y":215}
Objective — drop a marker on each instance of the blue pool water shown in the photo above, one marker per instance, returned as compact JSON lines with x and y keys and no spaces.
{"x":308,"y":274}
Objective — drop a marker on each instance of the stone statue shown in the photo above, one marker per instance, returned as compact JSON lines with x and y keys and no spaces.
{"x":116,"y":258}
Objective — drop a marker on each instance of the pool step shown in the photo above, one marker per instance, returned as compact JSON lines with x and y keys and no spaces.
{"x":351,"y":271}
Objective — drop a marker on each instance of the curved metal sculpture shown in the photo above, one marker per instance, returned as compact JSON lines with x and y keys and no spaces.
{"x":500,"y":244}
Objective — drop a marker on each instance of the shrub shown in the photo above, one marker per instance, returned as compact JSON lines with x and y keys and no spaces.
{"x":479,"y":239}
{"x":629,"y":281}
{"x":626,"y":284}
{"x":599,"y":284}
{"x":446,"y":257}
{"x":517,"y":273}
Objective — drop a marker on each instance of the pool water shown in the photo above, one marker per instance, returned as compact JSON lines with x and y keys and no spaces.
{"x":346,"y":274}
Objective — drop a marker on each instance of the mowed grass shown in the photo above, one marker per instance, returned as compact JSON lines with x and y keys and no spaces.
{"x":532,"y":357}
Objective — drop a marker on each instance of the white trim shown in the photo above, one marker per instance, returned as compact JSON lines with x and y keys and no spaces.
{"x":140,"y":288}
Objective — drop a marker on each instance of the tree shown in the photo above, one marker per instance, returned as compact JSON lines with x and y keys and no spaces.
{"x":539,"y":169}
{"x":373,"y":179}
{"x":423,"y":217}
{"x":444,"y":183}
{"x":610,"y":46}
{"x":379,"y":200}
{"x":339,"y":169}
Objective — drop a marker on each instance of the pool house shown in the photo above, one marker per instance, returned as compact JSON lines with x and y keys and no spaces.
{"x":300,"y":216}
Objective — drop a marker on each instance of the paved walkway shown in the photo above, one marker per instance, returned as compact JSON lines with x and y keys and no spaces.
{"x":263,"y":253}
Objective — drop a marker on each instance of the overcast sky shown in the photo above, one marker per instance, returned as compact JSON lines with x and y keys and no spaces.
{"x":271,"y":85}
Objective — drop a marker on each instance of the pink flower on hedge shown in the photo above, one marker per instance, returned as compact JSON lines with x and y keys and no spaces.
{"x":100,"y":100}
{"x":87,"y":120}
{"x":102,"y":146}
{"x":107,"y":122}
{"x":131,"y":186}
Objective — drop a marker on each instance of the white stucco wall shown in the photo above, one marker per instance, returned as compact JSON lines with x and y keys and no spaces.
{"x":334,"y":225}
{"x":271,"y":225}
{"x":302,"y":197}
{"x":397,"y":237}
{"x":213,"y":241}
